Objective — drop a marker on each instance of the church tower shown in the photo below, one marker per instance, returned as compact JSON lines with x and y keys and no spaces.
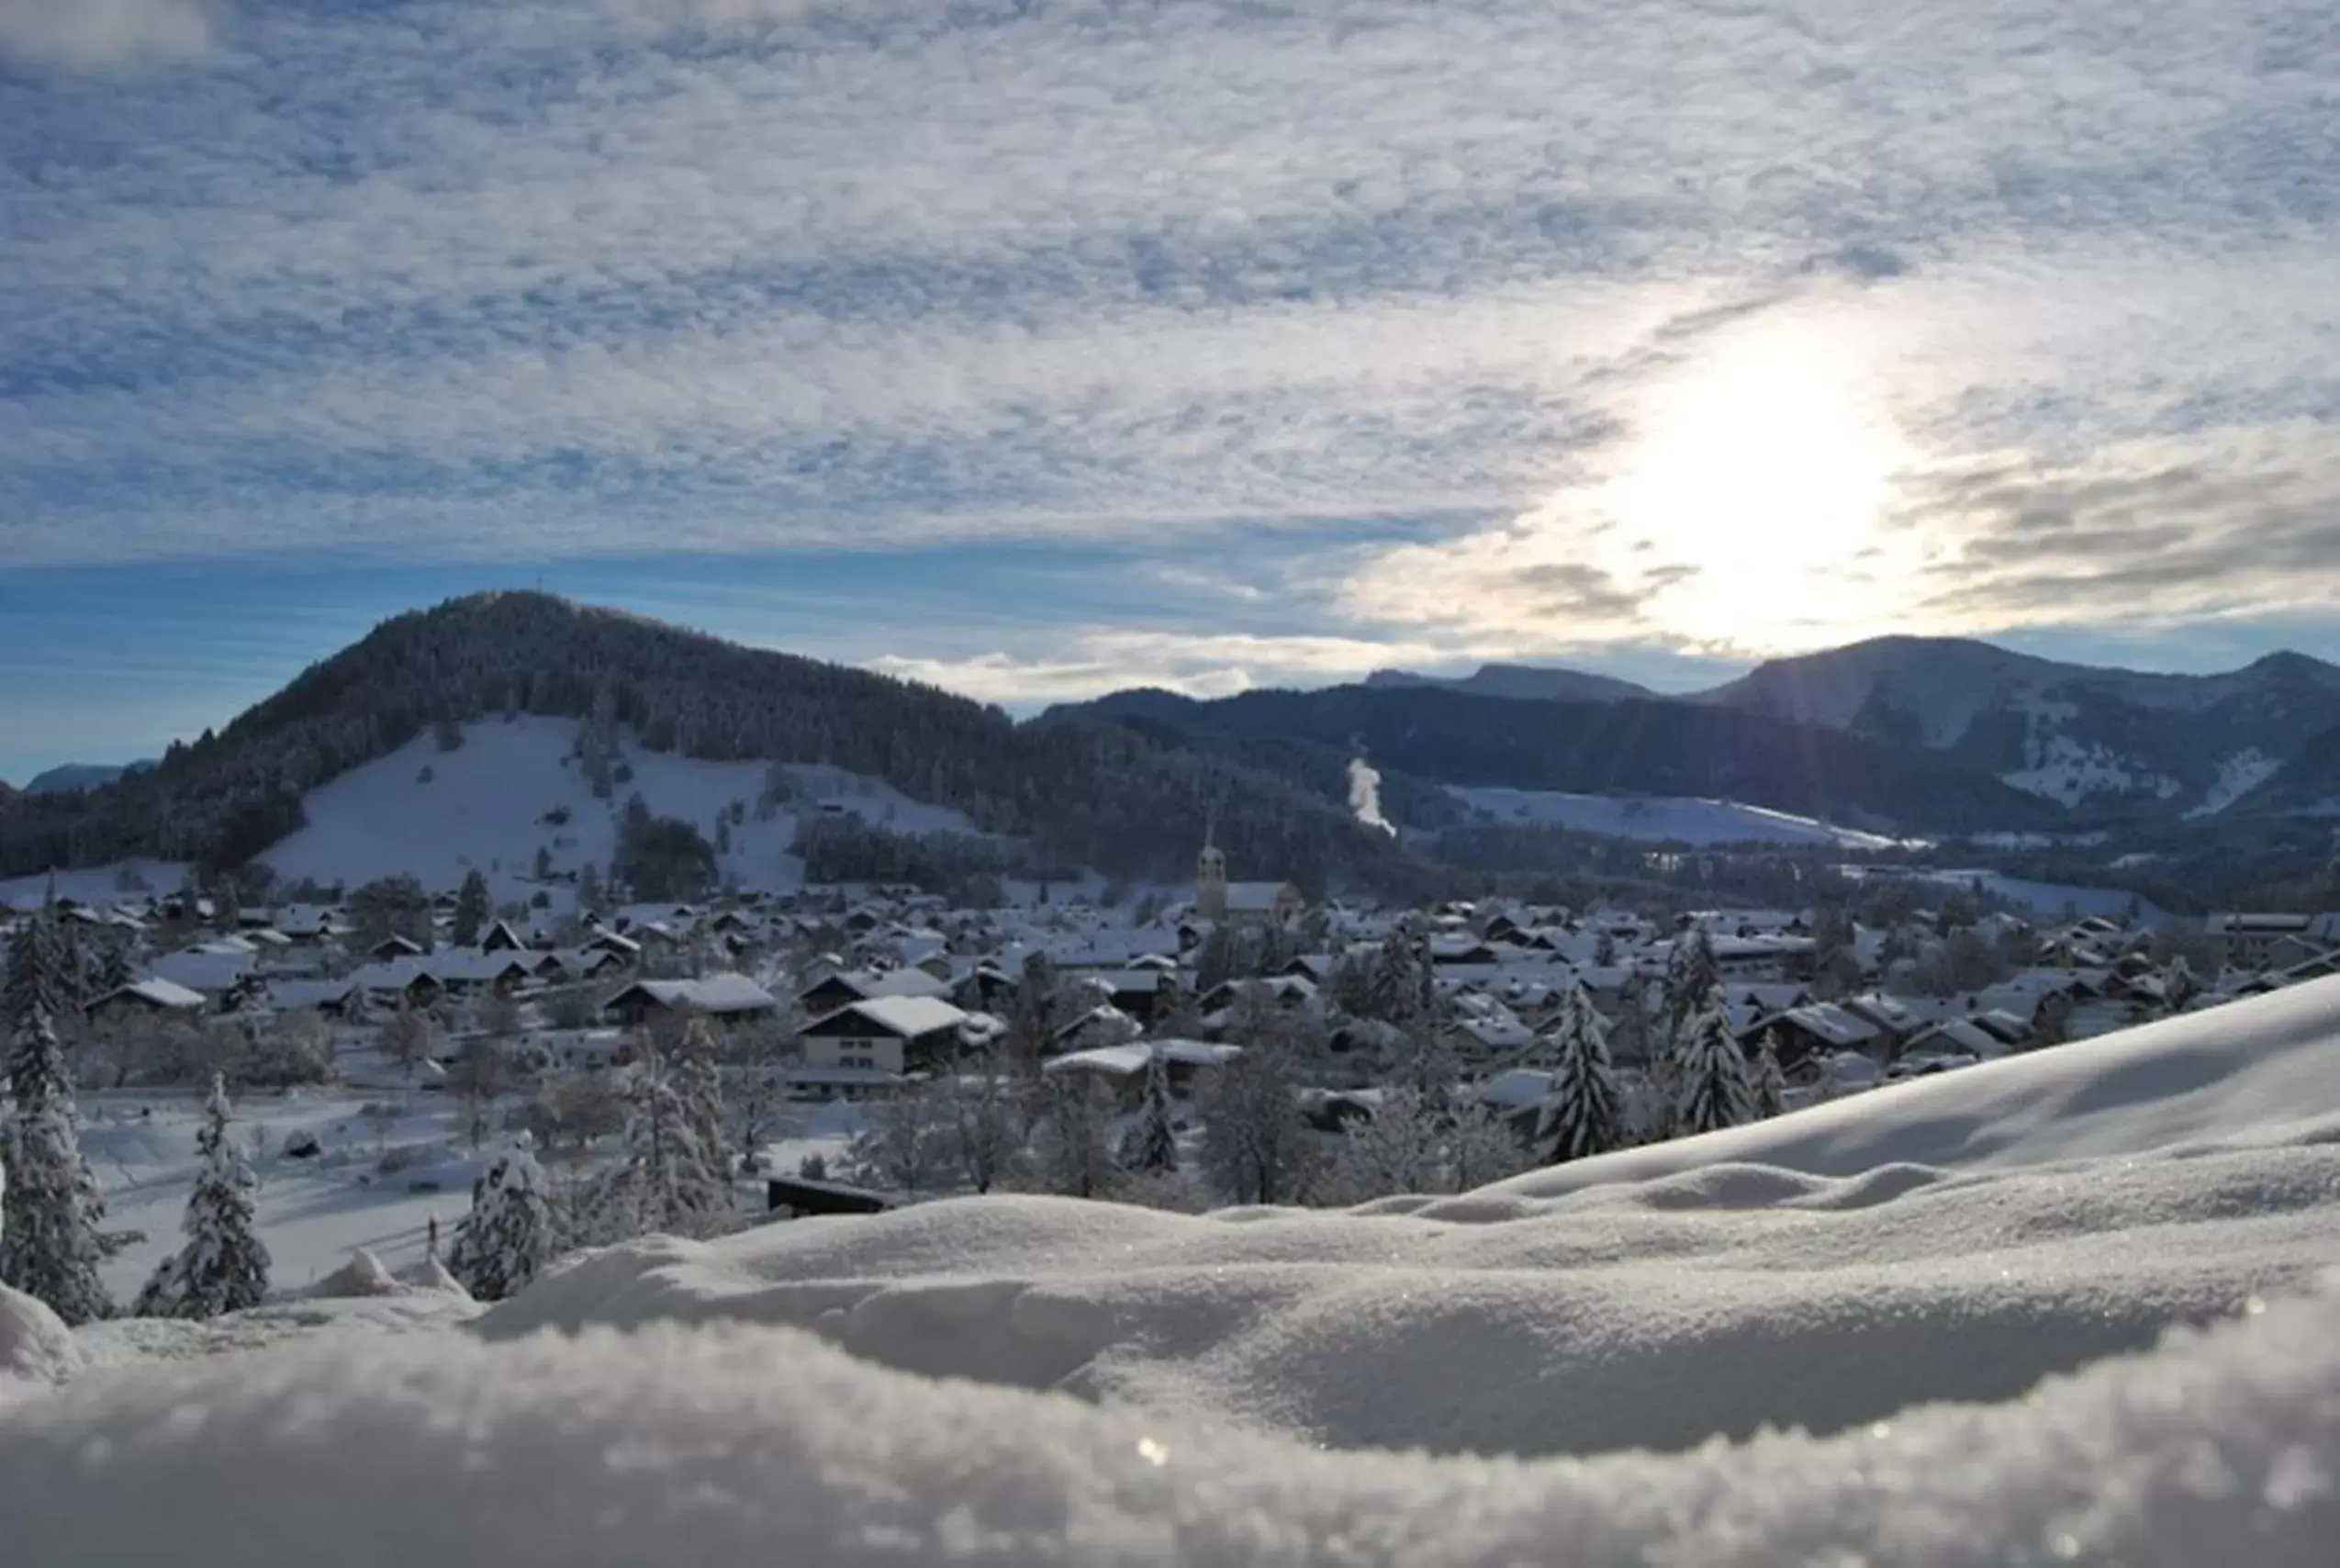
{"x":1209,"y":879}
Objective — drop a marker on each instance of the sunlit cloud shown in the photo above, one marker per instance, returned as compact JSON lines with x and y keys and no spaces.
{"x":1092,"y":661}
{"x":1518,"y":330}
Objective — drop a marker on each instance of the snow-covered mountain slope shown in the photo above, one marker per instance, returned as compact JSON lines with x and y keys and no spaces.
{"x":1525,"y":682}
{"x":493,"y":801}
{"x":1957,"y":1241}
{"x":2069,"y":732}
{"x":1660,"y":819}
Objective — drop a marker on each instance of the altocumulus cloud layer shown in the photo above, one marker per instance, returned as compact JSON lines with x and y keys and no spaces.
{"x":1490,"y":326}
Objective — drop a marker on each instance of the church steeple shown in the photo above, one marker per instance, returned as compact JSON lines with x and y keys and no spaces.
{"x":1209,"y":875}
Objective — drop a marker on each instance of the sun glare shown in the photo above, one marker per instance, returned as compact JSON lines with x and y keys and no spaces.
{"x":1753,"y":491}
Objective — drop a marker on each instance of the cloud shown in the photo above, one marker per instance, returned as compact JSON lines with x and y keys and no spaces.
{"x":543,"y":282}
{"x":1091,"y":661}
{"x":104,"y":35}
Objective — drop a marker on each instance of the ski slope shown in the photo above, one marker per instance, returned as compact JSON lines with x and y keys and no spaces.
{"x":1660,"y":819}
{"x":487,"y":804}
{"x":1973,"y":1293}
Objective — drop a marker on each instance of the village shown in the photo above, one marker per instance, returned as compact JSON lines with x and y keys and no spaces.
{"x":871,"y":1046}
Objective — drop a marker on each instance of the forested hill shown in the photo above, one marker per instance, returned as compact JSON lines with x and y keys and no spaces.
{"x":1612,"y":747}
{"x":1095,"y":795}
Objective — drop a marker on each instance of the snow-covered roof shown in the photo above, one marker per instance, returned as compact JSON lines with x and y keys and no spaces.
{"x":907,"y":1016}
{"x":1123,"y":1060}
{"x":718,"y":993}
{"x":1254,"y":898}
{"x":157,"y":992}
{"x":203,"y":971}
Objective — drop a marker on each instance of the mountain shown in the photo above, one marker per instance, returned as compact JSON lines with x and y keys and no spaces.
{"x":1669,"y":748}
{"x":2307,"y":781}
{"x":79,"y":775}
{"x":1521,"y":682}
{"x":2163,"y":745}
{"x":1102,"y":796}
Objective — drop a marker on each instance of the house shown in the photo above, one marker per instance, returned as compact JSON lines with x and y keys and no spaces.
{"x":846,"y":986}
{"x":223,"y":977}
{"x":2258,"y":941}
{"x":1125,"y":1066}
{"x":502,"y":938}
{"x":724,"y":998}
{"x":886,"y":1034}
{"x":1820,"y":1031}
{"x":395,"y":946}
{"x":150,"y":998}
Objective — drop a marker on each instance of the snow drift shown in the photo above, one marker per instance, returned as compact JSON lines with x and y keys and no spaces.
{"x":2251,"y":1074}
{"x":746,"y":1445}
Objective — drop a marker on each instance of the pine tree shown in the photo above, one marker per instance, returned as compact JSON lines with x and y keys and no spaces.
{"x":224,"y":1265}
{"x":1586,"y":1113}
{"x":1153,"y":1142}
{"x":470,"y":909}
{"x":1715,"y":1091}
{"x":670,"y":1181}
{"x":1692,"y":979}
{"x":506,"y":1240}
{"x":1770,"y":1086}
{"x":51,"y":1246}
{"x":40,"y":984}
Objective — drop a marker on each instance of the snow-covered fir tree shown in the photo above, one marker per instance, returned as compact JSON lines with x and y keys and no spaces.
{"x":1586,"y":1112}
{"x":1692,"y":977}
{"x":1714,"y":1088}
{"x":507,"y":1238}
{"x":224,"y":1265}
{"x":471,"y":910}
{"x":1770,"y":1084}
{"x":1153,"y":1141}
{"x":51,"y":1246}
{"x":671,"y":1179}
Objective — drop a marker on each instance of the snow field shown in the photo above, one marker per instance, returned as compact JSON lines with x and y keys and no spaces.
{"x":486,"y":801}
{"x":1660,"y":819}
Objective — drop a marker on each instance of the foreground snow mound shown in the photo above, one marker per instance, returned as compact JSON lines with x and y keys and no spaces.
{"x":2251,"y":1074}
{"x":131,"y":1341}
{"x":1638,"y":1316}
{"x":745,"y":1445}
{"x":35,"y":1345}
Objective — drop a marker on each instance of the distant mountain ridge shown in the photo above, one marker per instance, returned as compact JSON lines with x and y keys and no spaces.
{"x":2155,"y":743}
{"x":1430,"y":735}
{"x":2107,"y":739}
{"x":1519,"y":682}
{"x":68,"y":775}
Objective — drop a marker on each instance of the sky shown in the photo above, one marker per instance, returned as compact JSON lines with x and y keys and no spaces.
{"x":1038,"y":347}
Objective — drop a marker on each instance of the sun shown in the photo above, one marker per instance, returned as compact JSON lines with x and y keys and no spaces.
{"x":1753,"y":495}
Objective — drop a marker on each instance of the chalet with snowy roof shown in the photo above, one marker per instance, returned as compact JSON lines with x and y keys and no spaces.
{"x":1821,"y":1030}
{"x":395,"y":946}
{"x":892,"y":1035}
{"x":846,"y":986}
{"x":223,"y":977}
{"x":1123,"y":1067}
{"x":722,"y":998}
{"x":150,"y":998}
